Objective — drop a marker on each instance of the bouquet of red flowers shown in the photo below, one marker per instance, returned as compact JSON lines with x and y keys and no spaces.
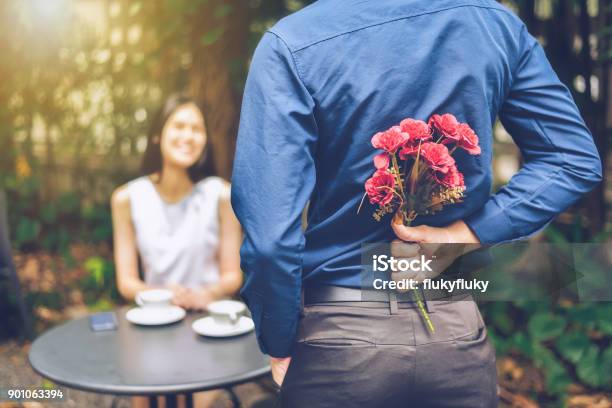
{"x":416,"y":173}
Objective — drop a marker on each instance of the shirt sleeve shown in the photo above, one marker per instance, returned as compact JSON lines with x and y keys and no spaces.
{"x":273,"y":178}
{"x":561,"y":162}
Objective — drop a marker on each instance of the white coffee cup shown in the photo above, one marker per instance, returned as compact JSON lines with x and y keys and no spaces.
{"x":226,"y":312}
{"x":154,"y":298}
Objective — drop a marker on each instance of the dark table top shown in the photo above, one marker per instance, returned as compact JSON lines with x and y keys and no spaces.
{"x":140,"y":360}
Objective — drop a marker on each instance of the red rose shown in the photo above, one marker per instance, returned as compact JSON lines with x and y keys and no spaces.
{"x":468,"y":140}
{"x":416,"y":129}
{"x":390,"y":140}
{"x":408,"y":150}
{"x":446,"y":124}
{"x":381,"y":161}
{"x":437,"y":156}
{"x":453,"y":178}
{"x":380,"y":187}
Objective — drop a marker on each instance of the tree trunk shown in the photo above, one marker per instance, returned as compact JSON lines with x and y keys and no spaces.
{"x":219,"y":44}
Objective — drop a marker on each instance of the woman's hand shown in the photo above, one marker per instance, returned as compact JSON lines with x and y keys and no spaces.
{"x":179,"y":293}
{"x":191,"y":299}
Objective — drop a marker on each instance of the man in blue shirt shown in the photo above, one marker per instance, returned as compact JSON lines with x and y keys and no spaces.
{"x":324,"y":80}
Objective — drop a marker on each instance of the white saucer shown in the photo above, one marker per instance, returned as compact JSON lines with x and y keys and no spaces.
{"x":206,"y":326}
{"x":154,"y":316}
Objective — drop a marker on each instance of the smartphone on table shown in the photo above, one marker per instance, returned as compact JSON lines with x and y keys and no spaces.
{"x":103,"y":321}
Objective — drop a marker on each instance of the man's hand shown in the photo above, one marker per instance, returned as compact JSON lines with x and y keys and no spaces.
{"x":457,"y":232}
{"x":279,"y":368}
{"x":432,"y":242}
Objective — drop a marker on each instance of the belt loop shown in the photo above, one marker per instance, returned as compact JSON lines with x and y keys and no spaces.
{"x":392,"y":302}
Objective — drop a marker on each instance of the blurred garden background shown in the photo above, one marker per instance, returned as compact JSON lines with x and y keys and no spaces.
{"x":80,"y":80}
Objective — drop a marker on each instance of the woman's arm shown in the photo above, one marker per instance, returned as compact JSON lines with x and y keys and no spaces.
{"x":124,"y":242}
{"x":230,"y":239}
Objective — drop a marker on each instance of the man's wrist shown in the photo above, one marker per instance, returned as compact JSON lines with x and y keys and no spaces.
{"x":461,"y":233}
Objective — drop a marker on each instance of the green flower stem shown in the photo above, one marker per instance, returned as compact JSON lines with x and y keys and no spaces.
{"x":398,"y":180}
{"x":424,"y":313}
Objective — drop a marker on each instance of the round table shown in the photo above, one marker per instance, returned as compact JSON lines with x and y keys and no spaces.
{"x":146,"y":360}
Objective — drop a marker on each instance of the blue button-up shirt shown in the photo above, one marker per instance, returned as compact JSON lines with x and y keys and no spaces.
{"x":325,"y":79}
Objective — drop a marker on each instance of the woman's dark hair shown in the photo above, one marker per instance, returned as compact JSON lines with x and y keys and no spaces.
{"x":152,"y":160}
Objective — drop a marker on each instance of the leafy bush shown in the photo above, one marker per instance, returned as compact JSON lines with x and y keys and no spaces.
{"x":570,"y":343}
{"x":54,"y":225}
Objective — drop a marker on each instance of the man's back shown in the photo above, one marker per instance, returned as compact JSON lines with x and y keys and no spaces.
{"x":325,"y":79}
{"x":370,"y":64}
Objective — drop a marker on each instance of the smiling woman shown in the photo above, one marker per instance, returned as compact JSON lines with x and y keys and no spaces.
{"x":177,"y":219}
{"x":179,"y":115}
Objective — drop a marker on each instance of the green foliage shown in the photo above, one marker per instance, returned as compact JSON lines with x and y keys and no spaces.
{"x":498,"y":313}
{"x":556,"y":376}
{"x":96,"y":267}
{"x":97,"y":220}
{"x":574,"y":346}
{"x":211,"y":36}
{"x":55,"y":224}
{"x":590,"y":368}
{"x":223,"y":10}
{"x":569,"y":344}
{"x":102,"y":305}
{"x":51,"y":300}
{"x":545,"y":327}
{"x":57,"y":239}
{"x":28,"y":230}
{"x":98,"y":285}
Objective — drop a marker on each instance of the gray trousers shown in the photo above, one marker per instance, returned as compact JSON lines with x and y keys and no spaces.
{"x":356,"y":355}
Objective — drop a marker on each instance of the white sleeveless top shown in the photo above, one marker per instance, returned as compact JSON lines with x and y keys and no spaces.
{"x":179,"y":242}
